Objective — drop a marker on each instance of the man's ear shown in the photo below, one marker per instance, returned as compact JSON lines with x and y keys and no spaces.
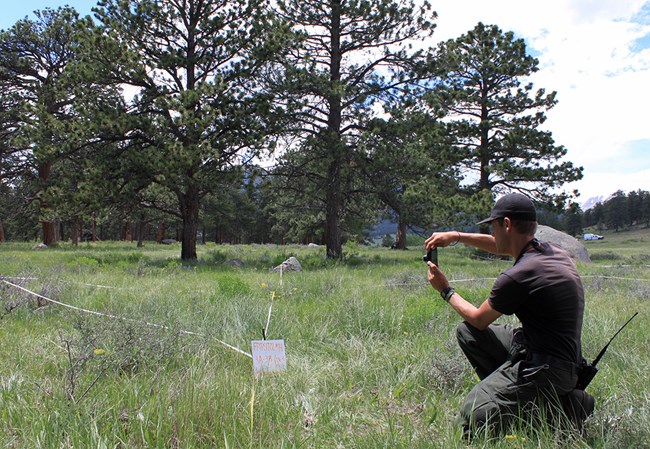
{"x":507,"y":224}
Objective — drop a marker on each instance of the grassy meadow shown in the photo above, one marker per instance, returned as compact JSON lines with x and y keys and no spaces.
{"x":372,"y":360}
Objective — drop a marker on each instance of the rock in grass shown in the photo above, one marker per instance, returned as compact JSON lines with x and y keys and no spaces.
{"x":576,"y":250}
{"x":291,"y":264}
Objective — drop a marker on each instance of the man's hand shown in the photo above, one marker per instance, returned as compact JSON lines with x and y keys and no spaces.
{"x":485,"y":242}
{"x":442,"y":239}
{"x":437,"y":278}
{"x":479,"y":317}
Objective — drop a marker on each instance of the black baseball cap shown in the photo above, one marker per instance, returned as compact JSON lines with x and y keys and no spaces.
{"x":513,"y":205}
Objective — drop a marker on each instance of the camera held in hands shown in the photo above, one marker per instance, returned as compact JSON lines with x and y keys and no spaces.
{"x":431,"y":256}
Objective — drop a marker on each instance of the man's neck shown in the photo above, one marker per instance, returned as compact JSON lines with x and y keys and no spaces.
{"x":520,"y":244}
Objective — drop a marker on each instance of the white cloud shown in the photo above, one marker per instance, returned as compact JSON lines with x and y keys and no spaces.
{"x":604,"y":184}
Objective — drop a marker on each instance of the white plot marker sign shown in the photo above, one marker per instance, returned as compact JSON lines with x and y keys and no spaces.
{"x":269,"y":356}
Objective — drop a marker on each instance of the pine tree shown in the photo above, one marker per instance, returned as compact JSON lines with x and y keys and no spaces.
{"x":411,"y":171}
{"x":495,"y":120}
{"x":616,"y":214}
{"x":645,"y":207}
{"x":352,"y":53}
{"x":34,"y":56}
{"x":194,"y":108}
{"x":633,"y":207}
{"x":573,"y":220}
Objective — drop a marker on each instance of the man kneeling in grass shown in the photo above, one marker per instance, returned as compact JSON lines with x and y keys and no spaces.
{"x":520,"y":368}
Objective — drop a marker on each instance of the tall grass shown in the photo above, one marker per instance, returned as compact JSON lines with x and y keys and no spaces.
{"x":372,"y":361}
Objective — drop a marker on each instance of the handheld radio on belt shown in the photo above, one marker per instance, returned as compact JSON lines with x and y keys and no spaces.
{"x":589,"y":370}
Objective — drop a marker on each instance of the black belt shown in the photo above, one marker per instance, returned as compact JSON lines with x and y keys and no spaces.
{"x":538,"y":358}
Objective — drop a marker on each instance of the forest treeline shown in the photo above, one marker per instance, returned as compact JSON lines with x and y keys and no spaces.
{"x":258,"y":121}
{"x":618,"y":212}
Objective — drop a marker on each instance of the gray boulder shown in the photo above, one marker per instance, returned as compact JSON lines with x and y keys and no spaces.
{"x":291,"y":264}
{"x":573,"y":246}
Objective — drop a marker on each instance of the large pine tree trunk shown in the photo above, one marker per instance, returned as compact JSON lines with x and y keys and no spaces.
{"x":126,"y":234}
{"x":48,"y":226}
{"x":400,"y":238}
{"x":49,"y":232}
{"x":334,"y":197}
{"x":75,"y":232}
{"x":333,"y":237}
{"x":218,"y":235}
{"x":160,"y":236}
{"x":2,"y":232}
{"x":189,"y":202}
{"x":140,"y":231}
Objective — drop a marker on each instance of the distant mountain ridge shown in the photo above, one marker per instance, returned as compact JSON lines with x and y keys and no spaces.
{"x":591,"y":202}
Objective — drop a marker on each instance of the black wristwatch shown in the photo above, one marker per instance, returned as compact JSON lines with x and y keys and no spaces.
{"x":447,"y":293}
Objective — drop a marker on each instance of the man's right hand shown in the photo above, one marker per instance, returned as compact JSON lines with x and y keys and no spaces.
{"x":441,"y":239}
{"x":437,"y":278}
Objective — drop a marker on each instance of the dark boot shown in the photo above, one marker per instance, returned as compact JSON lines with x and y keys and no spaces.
{"x":578,"y":405}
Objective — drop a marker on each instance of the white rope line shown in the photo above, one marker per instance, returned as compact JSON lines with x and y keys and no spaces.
{"x":615,"y":277}
{"x":623,"y":266}
{"x":493,"y":279}
{"x":19,"y":278}
{"x":473,"y":279}
{"x":268,"y":318}
{"x":107,"y":315}
{"x":583,"y":277}
{"x":91,"y":285}
{"x":85,"y":284}
{"x":425,"y":283}
{"x":380,"y":285}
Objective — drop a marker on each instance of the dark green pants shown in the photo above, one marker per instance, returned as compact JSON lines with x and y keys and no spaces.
{"x":510,"y":387}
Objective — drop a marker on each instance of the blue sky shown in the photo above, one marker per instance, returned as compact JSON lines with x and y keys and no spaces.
{"x":596,"y":55}
{"x":14,"y":10}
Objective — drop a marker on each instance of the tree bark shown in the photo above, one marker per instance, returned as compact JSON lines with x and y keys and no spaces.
{"x":140,"y":231}
{"x":2,"y":232}
{"x":127,"y":236}
{"x":333,"y":238}
{"x":49,"y":227}
{"x":49,"y":232}
{"x":160,"y":236}
{"x":400,"y":238}
{"x":75,"y":232}
{"x":189,"y":205}
{"x":334,"y":197}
